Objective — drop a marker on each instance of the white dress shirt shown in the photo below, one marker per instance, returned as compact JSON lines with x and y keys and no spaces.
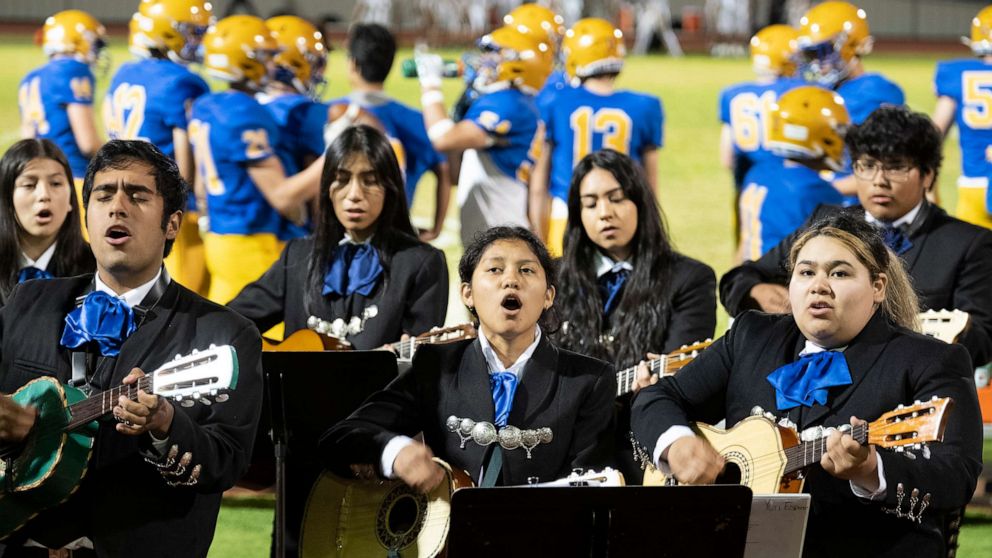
{"x":43,"y":260}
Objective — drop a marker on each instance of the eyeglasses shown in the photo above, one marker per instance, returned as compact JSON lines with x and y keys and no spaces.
{"x":867,"y":170}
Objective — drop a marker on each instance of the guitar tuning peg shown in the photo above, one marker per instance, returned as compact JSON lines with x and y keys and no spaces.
{"x":178,"y":356}
{"x":222,"y":397}
{"x":206,"y":401}
{"x":213,"y":393}
{"x":917,"y":402}
{"x":934,"y":398}
{"x":900,"y":406}
{"x":186,"y":403}
{"x":196,"y":351}
{"x":899,"y":449}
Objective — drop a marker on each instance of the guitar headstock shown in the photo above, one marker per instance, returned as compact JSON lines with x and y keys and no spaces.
{"x":919,"y":423}
{"x":198,"y":377}
{"x":677,"y":359}
{"x":581,"y":477}
{"x":945,"y":325}
{"x":447,"y":335}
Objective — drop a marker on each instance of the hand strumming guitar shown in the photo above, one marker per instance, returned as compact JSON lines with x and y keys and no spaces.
{"x":15,"y":420}
{"x":847,"y":459}
{"x":415,"y":466}
{"x":150,"y":413}
{"x":694,"y":461}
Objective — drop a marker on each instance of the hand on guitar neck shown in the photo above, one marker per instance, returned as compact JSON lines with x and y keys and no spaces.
{"x":694,"y":461}
{"x":149,"y":413}
{"x":848,"y":460}
{"x":644,"y":376}
{"x":15,"y":420}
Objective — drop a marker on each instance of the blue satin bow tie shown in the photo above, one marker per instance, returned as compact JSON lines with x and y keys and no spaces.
{"x":31,"y":272}
{"x":504,"y":385}
{"x":805,"y":381}
{"x":610,"y":284}
{"x":355,"y":268}
{"x":896,"y":240}
{"x":102,"y":319}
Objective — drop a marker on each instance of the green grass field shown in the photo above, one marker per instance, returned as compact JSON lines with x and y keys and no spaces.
{"x":695,"y":193}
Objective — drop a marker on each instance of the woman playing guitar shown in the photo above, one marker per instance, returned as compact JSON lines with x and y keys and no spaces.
{"x":846,"y":352}
{"x":625,"y":292}
{"x":364,"y":266}
{"x":506,"y":407}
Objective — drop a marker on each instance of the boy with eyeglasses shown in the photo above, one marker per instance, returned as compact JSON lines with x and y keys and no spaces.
{"x":896,"y":156}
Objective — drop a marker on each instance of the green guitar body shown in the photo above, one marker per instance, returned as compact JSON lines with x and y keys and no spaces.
{"x":52,"y":461}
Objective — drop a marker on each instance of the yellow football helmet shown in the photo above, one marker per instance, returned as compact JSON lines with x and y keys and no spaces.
{"x":301,"y":61}
{"x":981,"y":32}
{"x":74,"y":32}
{"x":593,"y":47}
{"x":239,"y":48}
{"x":514,"y":56}
{"x":831,"y":36}
{"x":537,"y":18}
{"x":809,"y":123}
{"x":773,"y":50}
{"x":174,"y":28}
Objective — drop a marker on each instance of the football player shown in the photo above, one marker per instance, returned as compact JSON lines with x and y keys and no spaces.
{"x":501,"y":133}
{"x":590,"y":117}
{"x":150,"y":98}
{"x":252,"y":207}
{"x":371,"y":50}
{"x":805,"y":131}
{"x":293,"y":91}
{"x":56,"y":100}
{"x":550,"y":26}
{"x":964,"y":88}
{"x":833,"y":38}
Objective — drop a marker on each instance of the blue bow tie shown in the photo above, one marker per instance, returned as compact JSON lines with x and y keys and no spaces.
{"x":805,"y":381}
{"x":102,"y":319}
{"x":31,"y":272}
{"x":504,"y":385}
{"x":355,"y":268}
{"x":610,"y":285}
{"x":896,"y":240}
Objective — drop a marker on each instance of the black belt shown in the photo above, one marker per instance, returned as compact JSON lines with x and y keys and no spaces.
{"x":36,"y":552}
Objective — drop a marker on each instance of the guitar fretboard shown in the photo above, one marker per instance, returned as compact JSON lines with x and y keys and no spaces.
{"x":99,"y":404}
{"x":807,"y":453}
{"x":625,"y":377}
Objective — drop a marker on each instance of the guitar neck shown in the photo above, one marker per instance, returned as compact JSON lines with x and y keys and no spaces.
{"x":405,"y":349}
{"x":625,"y":377}
{"x":99,"y":404}
{"x":808,"y":453}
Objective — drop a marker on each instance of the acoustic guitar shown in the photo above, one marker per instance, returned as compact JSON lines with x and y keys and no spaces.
{"x":946,"y":325}
{"x":311,"y":341}
{"x":770,"y":459}
{"x":347,"y":517}
{"x":667,"y":365}
{"x":46,"y":467}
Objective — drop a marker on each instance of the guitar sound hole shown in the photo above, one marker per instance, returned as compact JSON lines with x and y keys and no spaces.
{"x":731,"y":474}
{"x":403,"y":515}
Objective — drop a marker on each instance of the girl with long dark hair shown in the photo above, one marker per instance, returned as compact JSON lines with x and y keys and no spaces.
{"x":40,"y":236}
{"x":363,"y":276}
{"x":625,"y":291}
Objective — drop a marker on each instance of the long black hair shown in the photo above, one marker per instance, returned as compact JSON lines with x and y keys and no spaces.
{"x":72,"y":254}
{"x":638,"y":317}
{"x":393,"y":228}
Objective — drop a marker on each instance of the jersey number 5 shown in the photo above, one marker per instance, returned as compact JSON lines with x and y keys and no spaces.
{"x":976,"y":88}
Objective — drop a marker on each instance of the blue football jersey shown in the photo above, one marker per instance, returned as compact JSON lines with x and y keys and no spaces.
{"x":744,"y":107}
{"x":556,"y":82}
{"x":777,"y":198}
{"x":511,"y":118}
{"x":580,"y":122}
{"x":229,"y":131}
{"x":405,"y":128}
{"x":44,"y":95}
{"x":301,"y":123}
{"x":149,"y":98}
{"x":865,"y":93}
{"x":968,"y":83}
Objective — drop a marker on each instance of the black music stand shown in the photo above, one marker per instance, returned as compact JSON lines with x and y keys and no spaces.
{"x":594,"y":521}
{"x":308,"y":392}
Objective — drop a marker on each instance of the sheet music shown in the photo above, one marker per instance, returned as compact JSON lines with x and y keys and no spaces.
{"x":777,"y":526}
